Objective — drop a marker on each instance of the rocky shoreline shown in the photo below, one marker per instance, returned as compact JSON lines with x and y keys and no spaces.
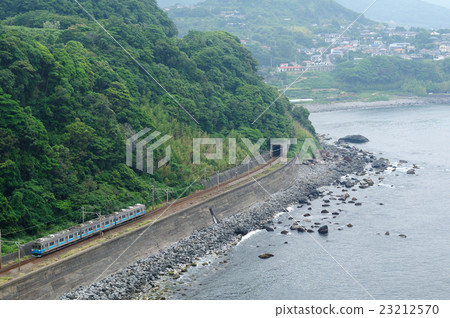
{"x":134,"y":280}
{"x":410,"y":101}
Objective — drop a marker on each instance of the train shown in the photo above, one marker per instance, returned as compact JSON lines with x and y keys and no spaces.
{"x":82,"y":231}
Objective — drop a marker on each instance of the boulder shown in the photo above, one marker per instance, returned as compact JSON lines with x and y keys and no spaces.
{"x":355,"y":139}
{"x":411,"y":171}
{"x":266,"y":256}
{"x":284,"y":232}
{"x":240,"y":230}
{"x":347,"y":159}
{"x":323,"y":230}
{"x":295,"y":227}
{"x":303,"y":201}
{"x":301,"y":229}
{"x":348,"y":183}
{"x":380,"y":164}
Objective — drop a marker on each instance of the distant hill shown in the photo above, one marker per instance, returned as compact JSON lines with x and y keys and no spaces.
{"x":443,"y":3}
{"x":416,"y":13}
{"x":272,"y":29}
{"x":168,"y":3}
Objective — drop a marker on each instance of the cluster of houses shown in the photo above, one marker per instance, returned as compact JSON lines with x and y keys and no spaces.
{"x":383,"y":40}
{"x":376,"y":42}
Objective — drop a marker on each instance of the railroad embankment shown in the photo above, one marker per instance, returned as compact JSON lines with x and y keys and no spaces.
{"x":84,"y":268}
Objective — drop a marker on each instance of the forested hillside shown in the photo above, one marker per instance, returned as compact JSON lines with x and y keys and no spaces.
{"x":70,"y":97}
{"x":393,"y":73}
{"x":273,"y":29}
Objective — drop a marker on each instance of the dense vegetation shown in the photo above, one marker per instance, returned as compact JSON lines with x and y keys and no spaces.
{"x":70,"y":97}
{"x":389,"y":73}
{"x":274,"y":29}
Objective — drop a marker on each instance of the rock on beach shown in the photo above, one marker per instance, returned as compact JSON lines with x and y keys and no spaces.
{"x":355,"y":139}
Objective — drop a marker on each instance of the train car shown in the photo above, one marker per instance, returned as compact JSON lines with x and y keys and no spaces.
{"x":70,"y":236}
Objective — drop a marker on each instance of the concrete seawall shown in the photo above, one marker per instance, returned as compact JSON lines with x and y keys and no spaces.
{"x":52,"y":281}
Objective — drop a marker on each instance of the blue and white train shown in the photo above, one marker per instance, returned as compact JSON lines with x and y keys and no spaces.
{"x":67,"y":237}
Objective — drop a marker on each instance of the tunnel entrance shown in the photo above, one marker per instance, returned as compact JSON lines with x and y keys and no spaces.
{"x":276,"y":150}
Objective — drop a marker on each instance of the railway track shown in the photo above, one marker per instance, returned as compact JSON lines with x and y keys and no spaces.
{"x":168,"y":209}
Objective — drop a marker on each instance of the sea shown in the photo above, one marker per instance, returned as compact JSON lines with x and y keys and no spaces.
{"x":361,"y":261}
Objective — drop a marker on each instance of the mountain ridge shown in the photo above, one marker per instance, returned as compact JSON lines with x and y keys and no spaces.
{"x":413,"y":13}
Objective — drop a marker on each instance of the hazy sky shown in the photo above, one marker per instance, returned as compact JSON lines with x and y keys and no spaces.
{"x":444,"y":3}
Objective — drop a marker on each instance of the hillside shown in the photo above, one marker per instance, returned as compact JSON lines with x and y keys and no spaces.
{"x":168,"y":3}
{"x":273,"y":29}
{"x":442,"y":3}
{"x":415,"y":13}
{"x":70,"y":97}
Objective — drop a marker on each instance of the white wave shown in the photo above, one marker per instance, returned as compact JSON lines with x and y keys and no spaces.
{"x":247,"y":236}
{"x":278,"y":214}
{"x":386,"y":185}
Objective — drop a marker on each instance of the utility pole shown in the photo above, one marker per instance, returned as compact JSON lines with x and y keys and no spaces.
{"x":204,"y":170}
{"x":82,"y":211}
{"x":167,"y":196}
{"x":18,"y":251}
{"x":0,"y":249}
{"x":153,"y":197}
{"x":218,"y":180}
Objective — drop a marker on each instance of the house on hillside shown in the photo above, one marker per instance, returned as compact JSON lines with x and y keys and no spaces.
{"x":284,"y":67}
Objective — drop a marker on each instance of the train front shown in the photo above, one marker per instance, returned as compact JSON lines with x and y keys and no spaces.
{"x":37,"y":250}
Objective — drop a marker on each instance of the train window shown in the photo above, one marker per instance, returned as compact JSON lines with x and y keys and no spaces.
{"x":46,"y":245}
{"x":52,"y":243}
{"x":61,"y":239}
{"x":90,"y":229}
{"x":98,"y":225}
{"x":124,"y":216}
{"x":107,"y":222}
{"x":71,"y":236}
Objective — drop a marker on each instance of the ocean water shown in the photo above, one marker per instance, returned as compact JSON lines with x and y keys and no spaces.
{"x":360,"y":262}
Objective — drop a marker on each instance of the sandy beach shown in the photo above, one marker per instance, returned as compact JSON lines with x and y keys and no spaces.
{"x":409,"y":101}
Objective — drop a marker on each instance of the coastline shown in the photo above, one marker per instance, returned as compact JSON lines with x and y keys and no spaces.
{"x":399,"y":102}
{"x":138,"y":280}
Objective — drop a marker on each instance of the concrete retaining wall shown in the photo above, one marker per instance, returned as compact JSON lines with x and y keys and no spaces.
{"x":233,"y":172}
{"x":54,"y":280}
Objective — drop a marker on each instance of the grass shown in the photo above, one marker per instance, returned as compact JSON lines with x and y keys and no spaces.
{"x":5,"y":279}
